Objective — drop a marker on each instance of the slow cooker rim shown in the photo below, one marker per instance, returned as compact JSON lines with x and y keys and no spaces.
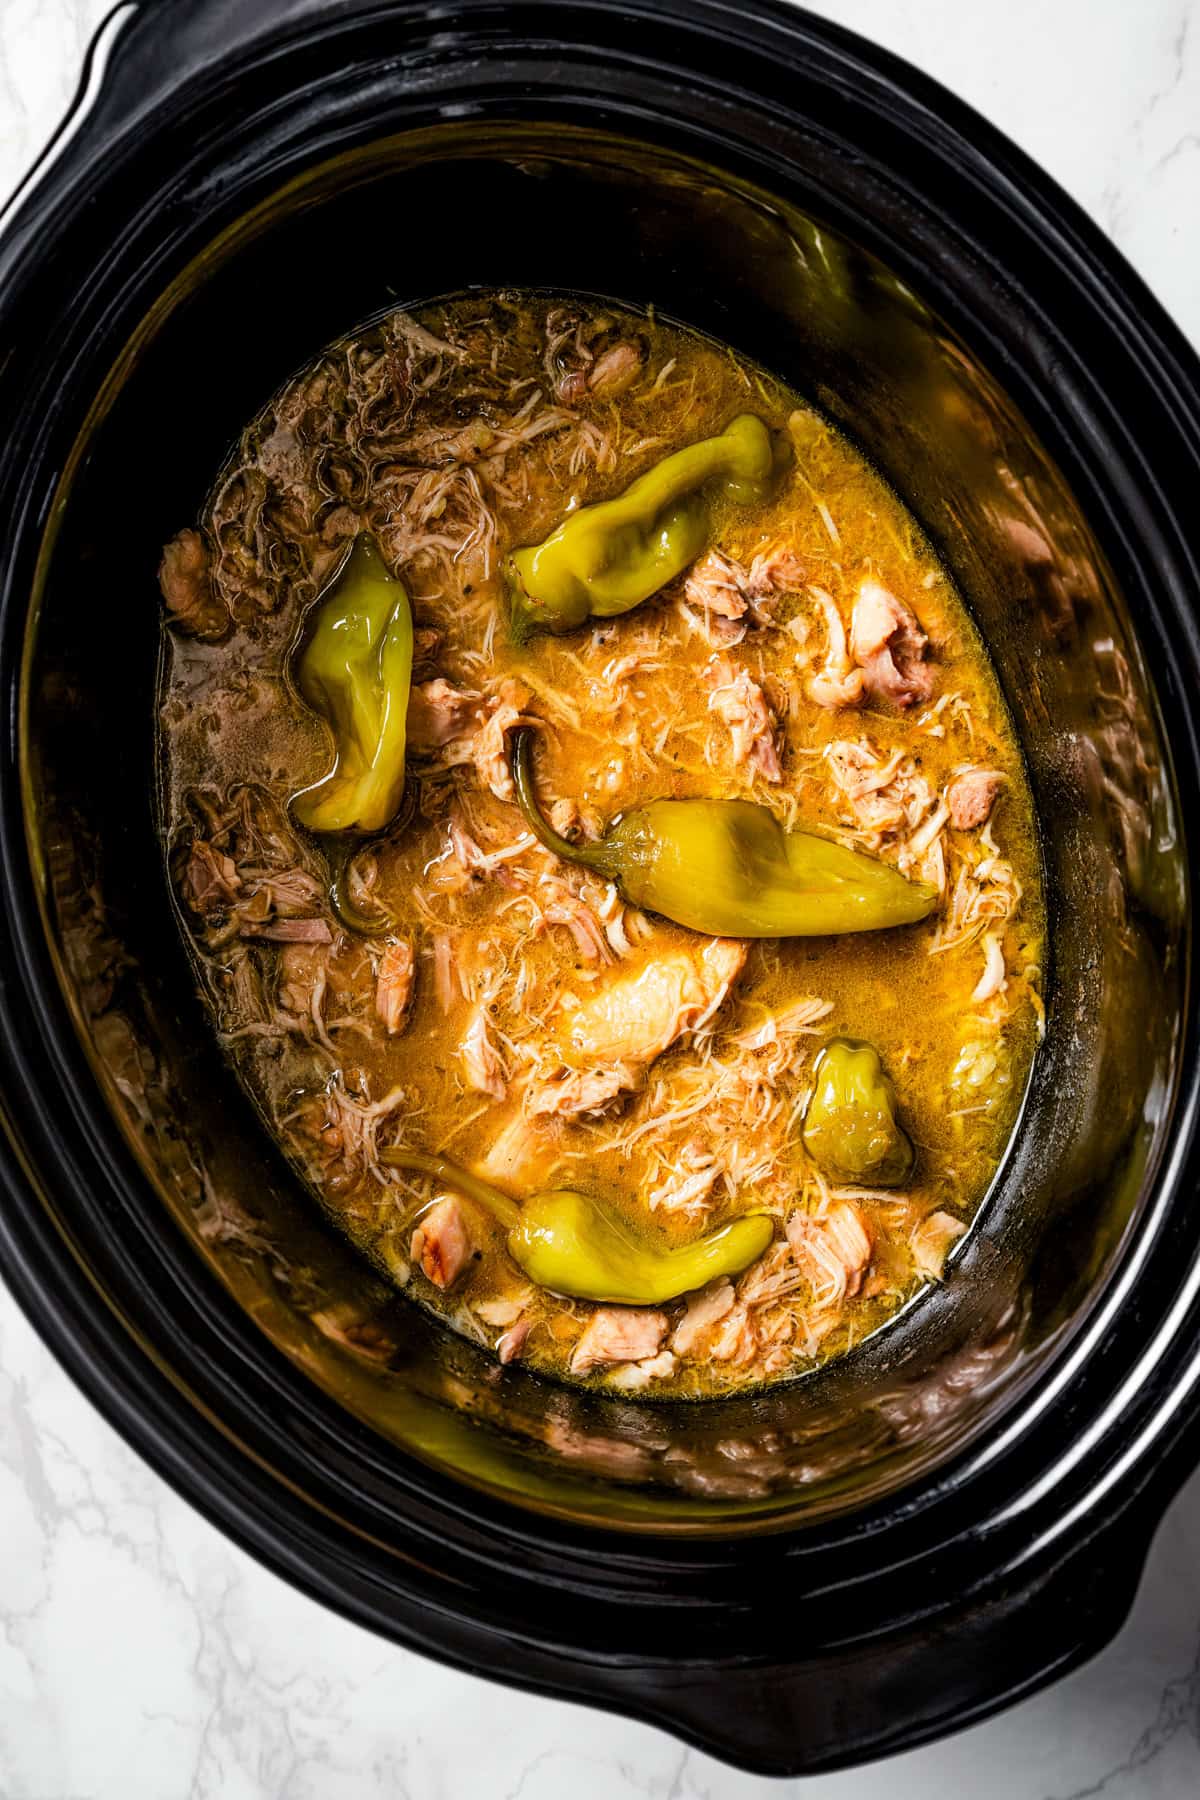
{"x":71,"y":1354}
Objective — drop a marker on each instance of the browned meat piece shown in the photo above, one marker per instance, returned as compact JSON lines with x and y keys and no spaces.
{"x":438,"y":712}
{"x":609,"y":375}
{"x":301,"y":969}
{"x":394,"y":984}
{"x":510,"y":1346}
{"x":185,"y":580}
{"x":481,"y":1062}
{"x":210,"y":880}
{"x":717,"y":585}
{"x":833,"y":1249}
{"x":616,"y":370}
{"x":738,"y":700}
{"x":889,"y":646}
{"x":442,"y":1242}
{"x":618,"y":1334}
{"x":971,"y":796}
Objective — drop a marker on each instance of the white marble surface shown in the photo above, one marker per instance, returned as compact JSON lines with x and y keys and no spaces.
{"x":143,"y":1658}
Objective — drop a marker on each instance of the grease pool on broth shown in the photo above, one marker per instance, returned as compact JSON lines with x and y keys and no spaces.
{"x":453,"y":436}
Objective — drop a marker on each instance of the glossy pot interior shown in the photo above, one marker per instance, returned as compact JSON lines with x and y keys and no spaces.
{"x":402,"y":1442}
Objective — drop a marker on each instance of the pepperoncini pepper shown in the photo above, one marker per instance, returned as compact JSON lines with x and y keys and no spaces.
{"x":850,"y":1125}
{"x":355,"y":670}
{"x":729,"y":869}
{"x":572,"y":1244}
{"x":609,"y":557}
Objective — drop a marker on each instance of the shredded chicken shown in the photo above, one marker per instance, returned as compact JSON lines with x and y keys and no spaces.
{"x":832,"y":1249}
{"x":716,"y":585}
{"x":704,"y":1310}
{"x":481,"y":1061}
{"x":995,"y":974}
{"x":210,"y":881}
{"x":439,"y":712}
{"x":581,"y":1091}
{"x":490,"y":754}
{"x":615,"y":370}
{"x":394,"y":984}
{"x":631,"y":1378}
{"x":837,"y":682}
{"x":738,"y":701}
{"x":618,"y":1334}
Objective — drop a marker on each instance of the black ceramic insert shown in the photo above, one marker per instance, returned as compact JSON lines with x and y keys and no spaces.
{"x":865,"y":1558}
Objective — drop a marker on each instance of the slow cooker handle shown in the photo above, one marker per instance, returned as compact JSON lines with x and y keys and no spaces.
{"x":876,"y":1697}
{"x":140,"y":52}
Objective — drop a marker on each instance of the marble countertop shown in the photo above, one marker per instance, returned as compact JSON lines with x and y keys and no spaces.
{"x":144,"y":1658}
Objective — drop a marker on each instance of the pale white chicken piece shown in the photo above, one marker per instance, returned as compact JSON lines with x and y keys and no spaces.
{"x":394,"y":984}
{"x":481,"y":1060}
{"x":618,"y":1334}
{"x":608,"y":1039}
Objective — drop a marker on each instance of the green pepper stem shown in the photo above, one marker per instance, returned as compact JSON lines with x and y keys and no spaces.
{"x":506,"y":1211}
{"x":592,"y":856}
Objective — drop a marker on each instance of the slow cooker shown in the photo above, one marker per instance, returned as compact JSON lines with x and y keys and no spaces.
{"x":957,"y":1512}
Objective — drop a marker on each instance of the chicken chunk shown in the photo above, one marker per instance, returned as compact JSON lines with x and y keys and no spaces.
{"x":837,"y":682}
{"x":185,"y":579}
{"x":637,"y":1016}
{"x":439,"y":712}
{"x":889,"y":646}
{"x":618,"y":1334}
{"x":971,"y":796}
{"x":481,"y":1060}
{"x":775,"y":571}
{"x":715,"y":585}
{"x":704,"y":1310}
{"x":738,"y":700}
{"x":832,"y":1249}
{"x":394,"y":984}
{"x":615,"y":370}
{"x":609,"y":375}
{"x":575,"y":1093}
{"x":442,"y":1244}
{"x":931,"y":1242}
{"x":611,"y":1037}
{"x":210,"y":881}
